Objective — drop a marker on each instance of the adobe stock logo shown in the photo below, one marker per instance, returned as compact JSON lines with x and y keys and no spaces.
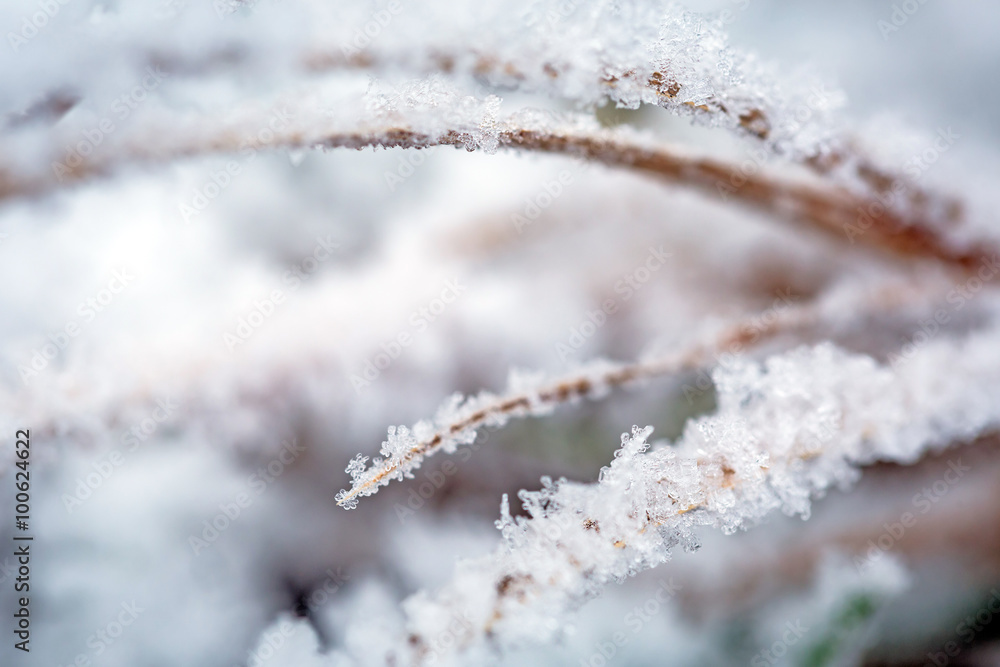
{"x":364,"y":35}
{"x":924,"y":502}
{"x":30,"y":26}
{"x":967,"y":630}
{"x":102,"y":469}
{"x":60,"y":340}
{"x":95,"y":135}
{"x":269,"y":134}
{"x":900,"y":16}
{"x":256,"y":484}
{"x":420,"y":320}
{"x":635,"y":621}
{"x":777,"y":650}
{"x":106,"y":636}
{"x":630,"y":283}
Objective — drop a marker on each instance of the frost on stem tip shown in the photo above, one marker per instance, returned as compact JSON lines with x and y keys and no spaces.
{"x":459,"y":419}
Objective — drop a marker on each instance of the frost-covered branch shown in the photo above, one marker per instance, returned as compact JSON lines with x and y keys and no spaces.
{"x":785,"y":432}
{"x":656,"y":53}
{"x":458,"y":421}
{"x":916,"y":231}
{"x":652,"y":53}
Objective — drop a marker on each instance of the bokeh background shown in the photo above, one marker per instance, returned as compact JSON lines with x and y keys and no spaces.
{"x":152,"y":421}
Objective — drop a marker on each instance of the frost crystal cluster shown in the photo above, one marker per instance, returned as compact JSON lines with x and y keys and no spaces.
{"x":785,"y":432}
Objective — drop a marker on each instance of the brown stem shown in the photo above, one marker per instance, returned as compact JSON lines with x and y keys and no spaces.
{"x":830,"y":208}
{"x":738,"y":337}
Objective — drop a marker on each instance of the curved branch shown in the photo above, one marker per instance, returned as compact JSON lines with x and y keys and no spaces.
{"x":828,"y":207}
{"x":651,"y":74}
{"x":738,"y":466}
{"x":655,"y":84}
{"x":459,"y":424}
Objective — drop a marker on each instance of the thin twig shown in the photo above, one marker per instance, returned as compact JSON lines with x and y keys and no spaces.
{"x":828,"y":207}
{"x":590,"y":382}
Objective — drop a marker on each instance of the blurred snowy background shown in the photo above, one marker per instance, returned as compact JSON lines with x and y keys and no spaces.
{"x":215,"y":370}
